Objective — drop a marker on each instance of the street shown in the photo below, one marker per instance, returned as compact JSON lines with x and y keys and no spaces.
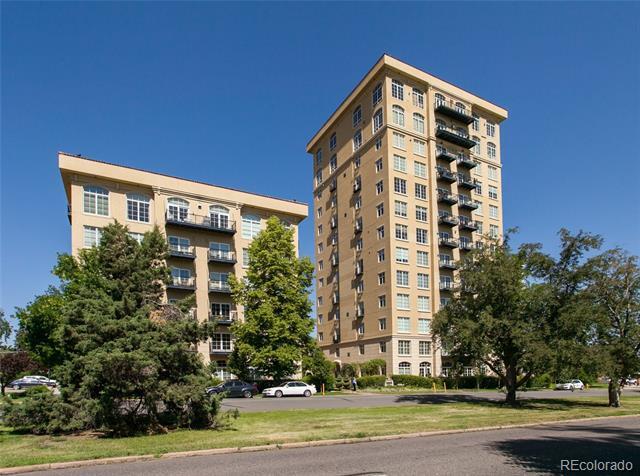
{"x":362,"y":399}
{"x":536,"y":450}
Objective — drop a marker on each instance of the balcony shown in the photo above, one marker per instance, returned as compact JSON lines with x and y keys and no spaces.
{"x":458,"y":137}
{"x":447,"y":241}
{"x":467,"y":223}
{"x":224,"y":319}
{"x":447,"y":264}
{"x":219,"y":287}
{"x":465,"y":161}
{"x":466,"y":202}
{"x":186,"y":252}
{"x":445,"y":197}
{"x":182,"y":283}
{"x":357,"y":186}
{"x":465,"y":181}
{"x":358,"y":226}
{"x":333,"y":185}
{"x":360,"y":311}
{"x":334,"y":222}
{"x":445,"y":218}
{"x":446,"y":286}
{"x":466,"y":245}
{"x":444,"y":154}
{"x":453,"y":110}
{"x":200,"y":222}
{"x":220,"y":349}
{"x":445,"y":175}
{"x":219,"y":256}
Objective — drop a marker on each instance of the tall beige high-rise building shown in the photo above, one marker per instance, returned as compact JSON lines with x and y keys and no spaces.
{"x":208,"y":229}
{"x":407,"y":179}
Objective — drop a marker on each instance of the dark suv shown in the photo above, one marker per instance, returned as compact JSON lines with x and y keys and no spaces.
{"x":235,"y":388}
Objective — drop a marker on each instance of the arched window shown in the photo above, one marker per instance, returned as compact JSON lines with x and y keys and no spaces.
{"x":96,"y":200}
{"x":476,"y":148}
{"x":404,"y":368}
{"x":219,"y":216}
{"x":461,"y":108}
{"x":418,"y":123}
{"x":357,"y":116}
{"x":491,"y":150}
{"x":250,"y":226}
{"x":177,"y":209}
{"x":418,"y":98}
{"x":425,"y":369}
{"x":397,"y":113}
{"x":440,"y":124}
{"x":137,"y":207}
{"x":440,"y":100}
{"x":377,"y":120}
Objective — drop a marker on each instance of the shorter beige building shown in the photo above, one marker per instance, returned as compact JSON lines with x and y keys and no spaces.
{"x":208,"y":229}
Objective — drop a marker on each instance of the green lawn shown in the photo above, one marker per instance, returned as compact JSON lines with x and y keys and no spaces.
{"x":305,"y":425}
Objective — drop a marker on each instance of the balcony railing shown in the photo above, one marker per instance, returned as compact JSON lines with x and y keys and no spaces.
{"x":219,"y":287}
{"x":467,"y":223}
{"x":211,"y":223}
{"x":187,"y":252}
{"x":465,"y":181}
{"x":447,"y":218}
{"x":455,"y":136}
{"x":446,"y":286}
{"x":182,"y":283}
{"x":225,"y":318}
{"x":444,"y":174}
{"x":466,"y":245}
{"x":333,"y":185}
{"x":453,"y":110}
{"x":465,"y":161}
{"x":220,"y":256}
{"x":447,"y":264}
{"x":445,"y":197}
{"x":448,"y":241}
{"x":444,"y":154}
{"x":220,"y":349}
{"x":357,"y":227}
{"x":466,"y":202}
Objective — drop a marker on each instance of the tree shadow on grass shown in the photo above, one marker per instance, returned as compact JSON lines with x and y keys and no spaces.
{"x":544,"y":452}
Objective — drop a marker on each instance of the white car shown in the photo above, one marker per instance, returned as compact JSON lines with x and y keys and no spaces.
{"x":32,"y":381}
{"x":290,"y":389}
{"x":570,"y":385}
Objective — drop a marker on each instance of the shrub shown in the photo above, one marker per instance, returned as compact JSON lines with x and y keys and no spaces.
{"x":343,"y":383}
{"x":540,"y":381}
{"x":373,"y":367}
{"x":413,"y":381}
{"x":376,"y":381}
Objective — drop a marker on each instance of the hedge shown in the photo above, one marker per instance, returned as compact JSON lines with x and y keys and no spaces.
{"x":371,"y":381}
{"x":413,"y":381}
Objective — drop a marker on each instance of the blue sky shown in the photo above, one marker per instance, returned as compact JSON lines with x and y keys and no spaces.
{"x":230,"y":94}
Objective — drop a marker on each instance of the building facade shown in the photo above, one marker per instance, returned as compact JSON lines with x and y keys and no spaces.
{"x":407,"y":180}
{"x":208,"y":229}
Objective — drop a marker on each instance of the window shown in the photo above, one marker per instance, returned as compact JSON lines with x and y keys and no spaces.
{"x":400,"y":186}
{"x":493,"y":192}
{"x":318,"y":177}
{"x":320,"y":265}
{"x":219,"y":250}
{"x":381,"y":278}
{"x":179,"y":244}
{"x":376,"y":97}
{"x":356,"y":162}
{"x":377,"y":120}
{"x":404,"y":325}
{"x":400,"y":209}
{"x":380,"y":232}
{"x":319,"y":212}
{"x":378,"y":143}
{"x":320,"y":336}
{"x":402,"y":255}
{"x":379,"y":165}
{"x":219,"y":216}
{"x":381,"y":255}
{"x":251,"y":226}
{"x":219,"y":280}
{"x":424,"y":326}
{"x":359,"y":244}
{"x":221,"y":342}
{"x":491,"y":150}
{"x":319,"y":158}
{"x":319,"y":230}
{"x":383,"y":347}
{"x":478,"y":189}
{"x":398,"y":140}
{"x":399,"y":163}
{"x":425,"y":369}
{"x":476,"y":122}
{"x":421,"y":213}
{"x":404,"y":368}
{"x":357,"y":204}
{"x":492,"y":172}
{"x":418,"y":98}
{"x":220,"y":309}
{"x":493,"y":231}
{"x":402,"y":278}
{"x":402,"y":232}
{"x":493,"y":211}
{"x":477,"y":170}
{"x":382,"y":324}
{"x":422,"y":258}
{"x":421,"y":191}
{"x":357,"y":140}
{"x":423,"y":304}
{"x":402,"y":301}
{"x":423,"y":281}
{"x":418,"y":123}
{"x":320,"y":300}
{"x":357,"y":116}
{"x":333,"y":163}
{"x":137,"y":207}
{"x":422,"y":236}
{"x":96,"y":200}
{"x":397,"y":89}
{"x":180,"y":276}
{"x":440,"y":100}
{"x":419,"y":147}
{"x":382,"y":301}
{"x":361,"y":346}
{"x":491,"y":129}
{"x":92,"y":236}
{"x":420,"y":169}
{"x":379,"y":187}
{"x":397,"y":115}
{"x":333,"y":141}
{"x":379,"y":210}
{"x":476,"y":147}
{"x":137,"y":236}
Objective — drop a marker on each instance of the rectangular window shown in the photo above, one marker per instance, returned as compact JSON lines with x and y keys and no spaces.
{"x":423,"y":304}
{"x":383,"y":347}
{"x":419,"y":147}
{"x":493,"y":231}
{"x":478,"y":189}
{"x":492,"y":172}
{"x":424,"y":326}
{"x":382,"y":301}
{"x":493,"y":192}
{"x":179,"y":244}
{"x":397,"y":89}
{"x":493,"y":211}
{"x":333,"y":164}
{"x":357,"y":204}
{"x":424,"y":347}
{"x":399,"y":141}
{"x":421,"y":191}
{"x":137,"y":208}
{"x":491,"y":129}
{"x":422,"y":258}
{"x":478,"y":211}
{"x":476,"y":122}
{"x":404,"y":346}
{"x":96,"y":201}
{"x":381,"y":278}
{"x":421,"y":213}
{"x":221,"y":342}
{"x":137,"y":236}
{"x":422,"y":236}
{"x":400,"y":209}
{"x":418,"y":98}
{"x":402,"y":278}
{"x":423,"y":281}
{"x":319,"y":177}
{"x":357,"y":140}
{"x":400,"y":186}
{"x":380,"y":232}
{"x":399,"y":163}
{"x":402,"y":255}
{"x":382,"y":324}
{"x":359,"y":244}
{"x":402,"y":232}
{"x":92,"y":236}
{"x":420,"y":169}
{"x":376,"y":97}
{"x":361,"y":346}
{"x":379,"y":187}
{"x":402,"y":302}
{"x":320,"y":336}
{"x":379,"y":210}
{"x":245,"y":257}
{"x":379,"y":165}
{"x":381,"y":255}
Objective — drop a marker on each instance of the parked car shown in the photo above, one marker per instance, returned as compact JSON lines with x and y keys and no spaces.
{"x":234,"y":388}
{"x":570,"y":385}
{"x":32,"y":381}
{"x":290,"y":389}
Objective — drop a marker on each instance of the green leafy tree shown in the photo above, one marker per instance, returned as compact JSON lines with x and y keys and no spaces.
{"x":318,"y":369}
{"x":614,"y":292}
{"x":5,"y":330}
{"x":275,"y":334}
{"x":498,"y":317}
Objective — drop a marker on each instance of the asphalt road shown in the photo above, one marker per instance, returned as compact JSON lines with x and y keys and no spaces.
{"x":535,"y":450}
{"x":357,"y":400}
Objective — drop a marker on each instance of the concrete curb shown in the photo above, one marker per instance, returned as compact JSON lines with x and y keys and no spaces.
{"x":301,"y":444}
